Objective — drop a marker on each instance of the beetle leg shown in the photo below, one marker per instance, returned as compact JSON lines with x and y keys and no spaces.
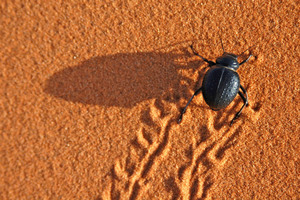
{"x":245,"y":92}
{"x":183,"y":111}
{"x":211,"y":63}
{"x":245,"y":99}
{"x":246,"y":60}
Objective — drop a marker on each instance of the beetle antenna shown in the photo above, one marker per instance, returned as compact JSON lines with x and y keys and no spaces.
{"x":222,"y":44}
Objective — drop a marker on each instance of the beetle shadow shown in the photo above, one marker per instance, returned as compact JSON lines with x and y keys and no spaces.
{"x":122,"y":79}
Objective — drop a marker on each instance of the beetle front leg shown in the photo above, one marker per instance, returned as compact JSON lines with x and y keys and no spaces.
{"x":211,"y":63}
{"x":245,"y":99}
{"x":246,"y":60}
{"x":196,"y":93}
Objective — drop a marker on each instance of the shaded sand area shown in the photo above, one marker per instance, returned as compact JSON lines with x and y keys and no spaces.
{"x":91,"y":92}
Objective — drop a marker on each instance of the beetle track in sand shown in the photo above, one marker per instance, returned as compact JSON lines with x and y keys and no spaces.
{"x":195,"y":178}
{"x":131,"y":177}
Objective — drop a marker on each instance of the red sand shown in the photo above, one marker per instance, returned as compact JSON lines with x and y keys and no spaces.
{"x":90,"y":95}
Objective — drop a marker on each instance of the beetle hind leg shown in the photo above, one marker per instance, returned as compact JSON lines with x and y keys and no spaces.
{"x":245,"y":99}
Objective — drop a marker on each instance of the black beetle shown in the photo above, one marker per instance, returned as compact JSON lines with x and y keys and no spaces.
{"x":221,"y":83}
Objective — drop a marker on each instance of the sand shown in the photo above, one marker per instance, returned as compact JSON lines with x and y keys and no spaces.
{"x":91,"y":93}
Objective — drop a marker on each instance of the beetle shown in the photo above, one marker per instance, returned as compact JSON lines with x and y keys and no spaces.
{"x":221,"y":83}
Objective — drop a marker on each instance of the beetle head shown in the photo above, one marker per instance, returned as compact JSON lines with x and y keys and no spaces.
{"x":228,"y":60}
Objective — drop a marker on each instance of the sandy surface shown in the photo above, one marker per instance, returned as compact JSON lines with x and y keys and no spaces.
{"x":90,"y":94}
